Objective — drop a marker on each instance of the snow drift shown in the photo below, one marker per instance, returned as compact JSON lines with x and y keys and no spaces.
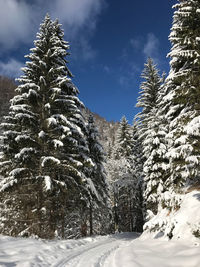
{"x":183,"y":223}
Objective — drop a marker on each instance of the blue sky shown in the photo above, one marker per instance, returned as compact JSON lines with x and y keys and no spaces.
{"x":110,"y":42}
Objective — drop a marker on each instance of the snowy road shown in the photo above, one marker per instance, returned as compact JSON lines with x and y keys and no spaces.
{"x":95,"y":254}
{"x":119,"y":250}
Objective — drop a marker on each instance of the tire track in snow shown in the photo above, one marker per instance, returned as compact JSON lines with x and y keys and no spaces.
{"x":104,"y":258}
{"x":91,"y":255}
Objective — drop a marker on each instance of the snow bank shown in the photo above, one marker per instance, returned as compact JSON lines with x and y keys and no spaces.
{"x":155,"y":253}
{"x":119,"y":250}
{"x":178,"y":224}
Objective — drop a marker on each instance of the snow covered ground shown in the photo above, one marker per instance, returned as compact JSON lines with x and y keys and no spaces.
{"x":181,"y":223}
{"x":119,"y":250}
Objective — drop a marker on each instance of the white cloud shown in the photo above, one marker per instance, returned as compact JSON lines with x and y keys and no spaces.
{"x":15,"y":23}
{"x":79,"y":19}
{"x":12,"y":68}
{"x":151,"y":46}
{"x":19,"y":19}
{"x":77,"y":14}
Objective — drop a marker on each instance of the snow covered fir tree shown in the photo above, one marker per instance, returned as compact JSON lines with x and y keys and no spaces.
{"x":152,"y":135}
{"x":45,"y":187}
{"x":182,"y":96}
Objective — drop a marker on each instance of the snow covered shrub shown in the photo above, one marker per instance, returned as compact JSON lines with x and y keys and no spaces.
{"x":178,"y":223}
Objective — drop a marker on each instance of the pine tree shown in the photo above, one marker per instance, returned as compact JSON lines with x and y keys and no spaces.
{"x":100,"y":201}
{"x":151,"y":135}
{"x":148,"y":93}
{"x":182,"y":98}
{"x":123,"y":146}
{"x":45,"y":151}
{"x":156,"y":165}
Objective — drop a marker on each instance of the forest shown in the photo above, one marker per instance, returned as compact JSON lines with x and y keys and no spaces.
{"x":65,"y":173}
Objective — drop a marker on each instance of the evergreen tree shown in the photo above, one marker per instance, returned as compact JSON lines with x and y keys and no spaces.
{"x":148,"y":93}
{"x":123,"y":146}
{"x":151,"y":136}
{"x":182,"y":98}
{"x":45,"y":151}
{"x":156,"y":165}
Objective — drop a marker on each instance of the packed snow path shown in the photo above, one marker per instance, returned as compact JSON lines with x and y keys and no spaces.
{"x":120,"y":250}
{"x":94,"y":254}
